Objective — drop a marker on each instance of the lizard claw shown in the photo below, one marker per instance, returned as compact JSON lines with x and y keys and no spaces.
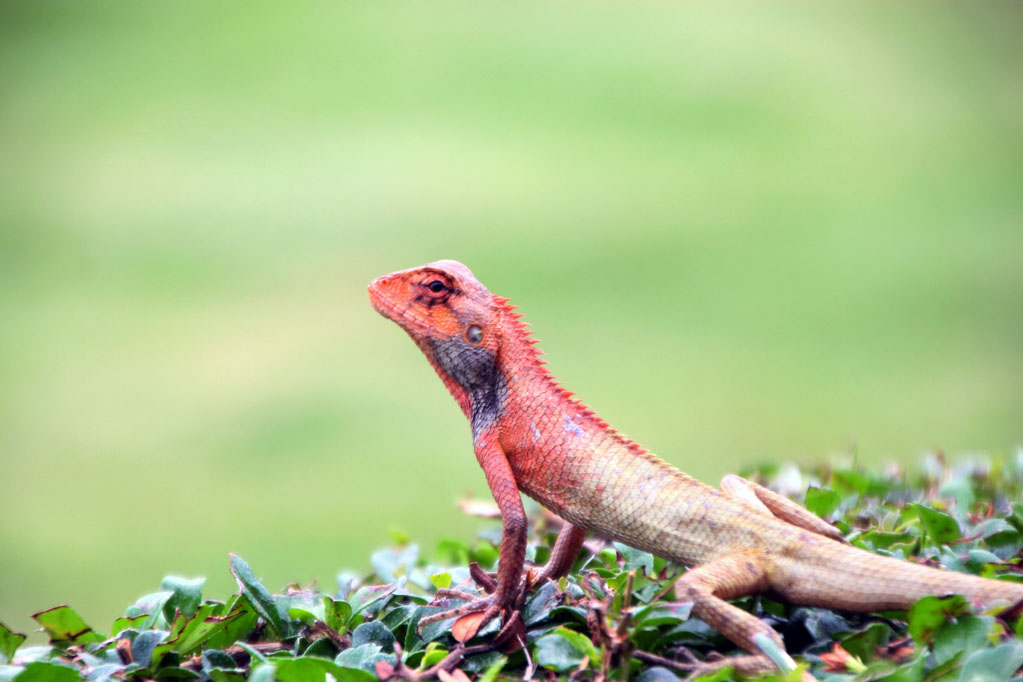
{"x":488,"y":605}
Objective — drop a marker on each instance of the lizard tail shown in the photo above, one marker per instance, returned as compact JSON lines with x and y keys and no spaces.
{"x":853,"y":579}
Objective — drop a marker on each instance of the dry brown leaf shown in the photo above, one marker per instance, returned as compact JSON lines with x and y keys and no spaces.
{"x":466,"y":627}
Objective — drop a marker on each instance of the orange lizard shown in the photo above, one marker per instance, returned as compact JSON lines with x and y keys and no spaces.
{"x":532,"y":436}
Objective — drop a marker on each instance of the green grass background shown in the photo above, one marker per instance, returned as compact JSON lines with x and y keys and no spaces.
{"x":746,"y":232}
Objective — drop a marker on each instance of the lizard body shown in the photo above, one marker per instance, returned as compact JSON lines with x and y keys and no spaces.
{"x":532,"y":436}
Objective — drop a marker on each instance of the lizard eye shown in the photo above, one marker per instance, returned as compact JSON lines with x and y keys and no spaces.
{"x":474,"y":334}
{"x":437,"y":287}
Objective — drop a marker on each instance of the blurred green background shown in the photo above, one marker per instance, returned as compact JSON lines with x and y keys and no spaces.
{"x":745,"y":232}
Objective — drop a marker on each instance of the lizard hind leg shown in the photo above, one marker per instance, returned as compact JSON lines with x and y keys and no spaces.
{"x":708,"y":586}
{"x":765,"y":500}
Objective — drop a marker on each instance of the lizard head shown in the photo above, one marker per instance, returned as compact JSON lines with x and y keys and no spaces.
{"x":455,"y":322}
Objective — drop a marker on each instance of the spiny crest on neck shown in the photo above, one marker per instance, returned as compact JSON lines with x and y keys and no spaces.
{"x":522,"y":331}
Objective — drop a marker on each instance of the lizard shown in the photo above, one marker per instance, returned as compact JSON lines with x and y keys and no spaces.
{"x":532,"y":436}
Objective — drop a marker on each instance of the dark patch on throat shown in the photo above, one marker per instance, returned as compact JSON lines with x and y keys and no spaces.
{"x":476,"y":371}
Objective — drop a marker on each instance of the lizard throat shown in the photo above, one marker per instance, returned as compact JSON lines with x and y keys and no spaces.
{"x":472,"y":376}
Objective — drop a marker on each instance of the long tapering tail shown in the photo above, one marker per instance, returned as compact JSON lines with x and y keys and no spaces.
{"x":844,"y":577}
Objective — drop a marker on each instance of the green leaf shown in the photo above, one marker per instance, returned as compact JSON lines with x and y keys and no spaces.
{"x":45,"y":671}
{"x":493,"y":670}
{"x":822,"y":501}
{"x":540,"y":604}
{"x":175,"y":674}
{"x":144,"y":647}
{"x":663,"y":613}
{"x":636,"y":558}
{"x":927,"y":615}
{"x":357,"y":656}
{"x":151,"y":606}
{"x":658,"y":674}
{"x":433,"y":653}
{"x":201,"y":627}
{"x":556,"y":653}
{"x":185,"y":595}
{"x":374,"y":632}
{"x":65,"y":627}
{"x":961,"y":490}
{"x":315,"y":669}
{"x":863,"y":644}
{"x":939,"y":526}
{"x":993,"y":665}
{"x":264,"y":673}
{"x":582,"y":643}
{"x":388,"y":564}
{"x":337,"y":614}
{"x":964,"y":635}
{"x":121,"y":624}
{"x":259,"y":597}
{"x":369,"y":596}
{"x":441,"y":581}
{"x":9,"y":642}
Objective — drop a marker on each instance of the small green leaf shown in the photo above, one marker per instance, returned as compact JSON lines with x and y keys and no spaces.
{"x":556,"y":653}
{"x":9,"y":642}
{"x":374,"y":632}
{"x":493,"y":670}
{"x":863,"y":644}
{"x":121,"y":624}
{"x":144,"y":648}
{"x":65,"y":627}
{"x":315,"y":670}
{"x":172,"y":674}
{"x":46,"y":671}
{"x":966,"y":634}
{"x":441,"y":581}
{"x":362,"y":656}
{"x":582,"y":643}
{"x":185,"y":595}
{"x":264,"y":673}
{"x":993,"y":665}
{"x":927,"y":615}
{"x":151,"y":606}
{"x":822,"y":501}
{"x":388,"y":564}
{"x":370,"y":595}
{"x":540,"y":604}
{"x":636,"y":558}
{"x":658,"y":674}
{"x":260,"y":598}
{"x":337,"y":613}
{"x":434,"y":654}
{"x":201,"y":627}
{"x":940,"y":527}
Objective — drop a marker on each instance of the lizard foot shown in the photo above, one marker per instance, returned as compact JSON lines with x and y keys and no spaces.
{"x":477,"y":612}
{"x":471,"y":616}
{"x":744,"y":666}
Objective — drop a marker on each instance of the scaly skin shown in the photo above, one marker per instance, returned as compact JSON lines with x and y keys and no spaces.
{"x":532,"y":436}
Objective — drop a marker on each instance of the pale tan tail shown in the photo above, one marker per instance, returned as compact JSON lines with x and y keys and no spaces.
{"x":839,"y":576}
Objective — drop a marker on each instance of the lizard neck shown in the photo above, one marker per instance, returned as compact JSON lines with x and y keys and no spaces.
{"x":534,"y":391}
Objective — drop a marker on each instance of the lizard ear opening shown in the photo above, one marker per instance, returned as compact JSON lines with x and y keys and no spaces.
{"x":474,"y":334}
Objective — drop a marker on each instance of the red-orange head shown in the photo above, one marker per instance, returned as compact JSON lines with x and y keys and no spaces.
{"x":455,"y":321}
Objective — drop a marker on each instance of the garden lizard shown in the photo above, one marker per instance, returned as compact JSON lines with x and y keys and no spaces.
{"x":531,"y":436}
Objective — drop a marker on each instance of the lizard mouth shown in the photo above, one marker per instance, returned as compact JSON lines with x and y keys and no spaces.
{"x":381,"y":303}
{"x":393,"y":310}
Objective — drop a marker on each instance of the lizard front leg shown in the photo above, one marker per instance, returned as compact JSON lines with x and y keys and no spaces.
{"x":512,"y":552}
